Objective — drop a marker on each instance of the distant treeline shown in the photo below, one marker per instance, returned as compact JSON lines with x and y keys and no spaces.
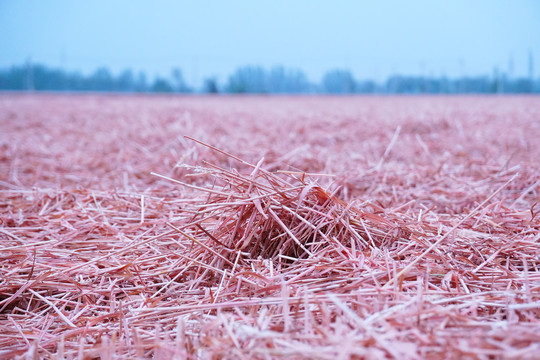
{"x":256,"y":80}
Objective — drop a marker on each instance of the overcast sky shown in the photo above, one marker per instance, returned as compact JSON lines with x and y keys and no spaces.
{"x":211,"y":38}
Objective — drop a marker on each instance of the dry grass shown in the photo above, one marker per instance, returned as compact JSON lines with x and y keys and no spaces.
{"x":320,"y":228}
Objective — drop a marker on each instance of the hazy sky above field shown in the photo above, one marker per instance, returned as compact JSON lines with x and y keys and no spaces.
{"x":206,"y":38}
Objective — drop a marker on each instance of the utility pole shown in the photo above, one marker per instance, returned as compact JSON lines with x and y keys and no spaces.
{"x":29,"y":75}
{"x":194,"y":72}
{"x":531,"y":66}
{"x":510,"y":67}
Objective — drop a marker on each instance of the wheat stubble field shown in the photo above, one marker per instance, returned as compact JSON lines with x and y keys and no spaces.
{"x":269,"y":227}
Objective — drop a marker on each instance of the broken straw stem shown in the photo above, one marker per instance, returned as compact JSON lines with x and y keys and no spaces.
{"x":389,"y":147}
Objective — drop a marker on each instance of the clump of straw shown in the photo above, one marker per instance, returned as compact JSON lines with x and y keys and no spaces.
{"x":282,"y":216}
